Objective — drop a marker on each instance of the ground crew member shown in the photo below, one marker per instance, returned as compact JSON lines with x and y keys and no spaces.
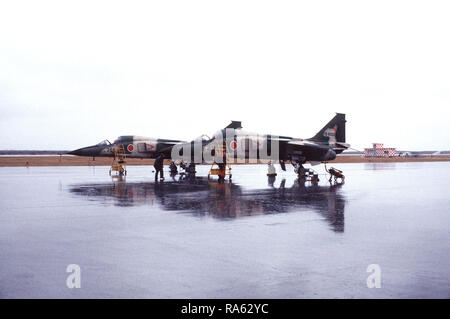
{"x":159,"y":165}
{"x":221,"y":171}
{"x":173,"y":168}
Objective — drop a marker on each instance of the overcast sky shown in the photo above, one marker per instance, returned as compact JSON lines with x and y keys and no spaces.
{"x":74,"y":73}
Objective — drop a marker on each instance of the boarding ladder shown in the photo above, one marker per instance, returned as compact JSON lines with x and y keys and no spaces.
{"x":119,"y":164}
{"x":221,"y":151}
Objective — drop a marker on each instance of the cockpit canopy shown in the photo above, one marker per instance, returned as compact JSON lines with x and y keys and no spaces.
{"x":203,"y":137}
{"x":104,"y":143}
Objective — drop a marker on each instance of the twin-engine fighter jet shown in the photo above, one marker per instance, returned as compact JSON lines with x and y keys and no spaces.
{"x":232,"y":144}
{"x":133,"y":146}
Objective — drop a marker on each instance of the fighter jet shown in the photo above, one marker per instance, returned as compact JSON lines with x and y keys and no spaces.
{"x":232,"y":143}
{"x":134,"y":147}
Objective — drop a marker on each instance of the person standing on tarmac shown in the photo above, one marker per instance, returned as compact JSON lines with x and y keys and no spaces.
{"x":173,"y":168}
{"x":159,"y":165}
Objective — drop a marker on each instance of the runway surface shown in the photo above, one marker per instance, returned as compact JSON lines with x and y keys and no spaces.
{"x":135,"y":238}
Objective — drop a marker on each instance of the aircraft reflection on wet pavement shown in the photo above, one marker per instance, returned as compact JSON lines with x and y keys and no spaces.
{"x":201,"y":197}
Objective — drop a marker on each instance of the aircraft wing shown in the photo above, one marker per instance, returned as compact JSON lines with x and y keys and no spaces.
{"x":300,"y":142}
{"x":342,"y":146}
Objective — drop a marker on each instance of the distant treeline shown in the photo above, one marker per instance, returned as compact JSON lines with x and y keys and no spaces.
{"x":28,"y":152}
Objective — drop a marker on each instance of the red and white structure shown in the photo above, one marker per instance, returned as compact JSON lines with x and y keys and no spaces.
{"x":377,"y":150}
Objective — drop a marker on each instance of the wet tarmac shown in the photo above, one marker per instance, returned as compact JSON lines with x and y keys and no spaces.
{"x":251,"y":238}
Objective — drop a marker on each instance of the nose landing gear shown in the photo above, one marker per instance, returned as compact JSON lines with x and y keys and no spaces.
{"x":307,"y":174}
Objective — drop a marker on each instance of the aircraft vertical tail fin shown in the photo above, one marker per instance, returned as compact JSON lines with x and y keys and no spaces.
{"x":333,"y":132}
{"x":235,"y":125}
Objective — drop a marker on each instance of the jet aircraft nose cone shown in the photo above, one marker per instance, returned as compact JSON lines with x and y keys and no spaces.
{"x":75,"y":152}
{"x":86,"y":151}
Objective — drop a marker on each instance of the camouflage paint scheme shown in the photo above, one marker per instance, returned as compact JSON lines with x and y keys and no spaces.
{"x":135,"y":147}
{"x":323,"y":147}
